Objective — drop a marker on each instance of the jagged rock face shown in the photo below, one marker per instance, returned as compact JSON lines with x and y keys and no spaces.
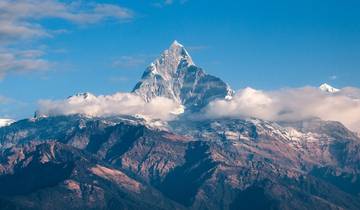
{"x":174,"y":75}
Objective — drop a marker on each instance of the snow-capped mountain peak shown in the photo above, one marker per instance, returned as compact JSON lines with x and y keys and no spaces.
{"x":174,"y":75}
{"x":176,"y":43}
{"x":167,"y":64}
{"x":328,"y":88}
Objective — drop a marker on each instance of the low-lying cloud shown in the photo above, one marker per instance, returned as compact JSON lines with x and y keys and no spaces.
{"x":111,"y":105}
{"x":291,"y":105}
{"x":281,"y":105}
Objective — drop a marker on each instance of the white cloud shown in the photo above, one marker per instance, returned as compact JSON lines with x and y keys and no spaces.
{"x":291,"y":105}
{"x":6,"y":122}
{"x":11,"y":31}
{"x":20,"y":21}
{"x":22,"y":62}
{"x":110,"y":105}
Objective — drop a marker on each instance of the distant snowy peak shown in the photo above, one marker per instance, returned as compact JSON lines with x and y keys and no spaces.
{"x":328,"y":88}
{"x":6,"y":122}
{"x":84,"y":95}
{"x":79,"y":97}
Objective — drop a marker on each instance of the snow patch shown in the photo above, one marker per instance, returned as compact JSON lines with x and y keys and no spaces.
{"x":328,"y":88}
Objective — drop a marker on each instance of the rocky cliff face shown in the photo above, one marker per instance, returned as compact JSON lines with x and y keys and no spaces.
{"x":125,"y":162}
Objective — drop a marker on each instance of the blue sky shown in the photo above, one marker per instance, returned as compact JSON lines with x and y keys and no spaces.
{"x":55,"y":50}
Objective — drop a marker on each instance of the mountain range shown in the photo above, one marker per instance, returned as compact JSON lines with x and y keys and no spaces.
{"x":79,"y":161}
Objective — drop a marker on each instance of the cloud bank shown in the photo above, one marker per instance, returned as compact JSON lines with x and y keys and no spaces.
{"x":291,"y":105}
{"x":111,"y":105}
{"x":281,"y":105}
